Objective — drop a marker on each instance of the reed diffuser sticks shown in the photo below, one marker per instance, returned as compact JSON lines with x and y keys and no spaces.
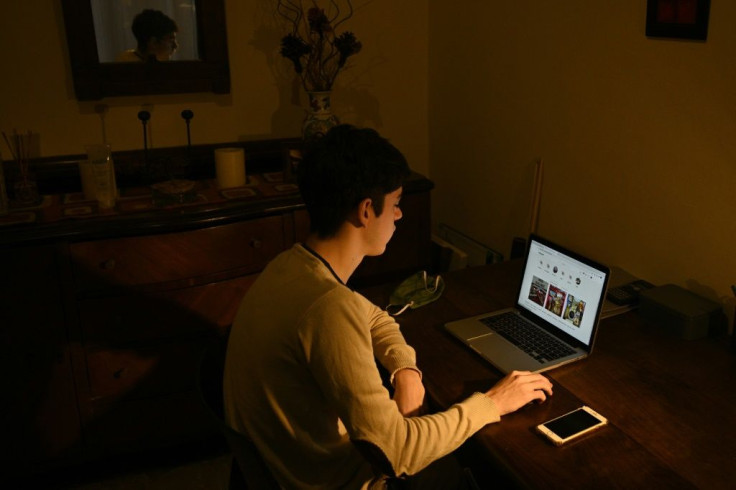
{"x":19,"y":144}
{"x":19,"y":149}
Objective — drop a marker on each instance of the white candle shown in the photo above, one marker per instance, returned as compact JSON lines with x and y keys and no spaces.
{"x":230,"y":167}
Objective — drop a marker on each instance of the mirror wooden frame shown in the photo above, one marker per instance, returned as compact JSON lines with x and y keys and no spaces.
{"x":94,"y":80}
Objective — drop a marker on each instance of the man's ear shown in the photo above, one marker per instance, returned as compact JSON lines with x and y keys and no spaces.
{"x":365,"y":210}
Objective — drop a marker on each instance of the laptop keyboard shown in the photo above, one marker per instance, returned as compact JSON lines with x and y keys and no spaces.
{"x":539,"y":345}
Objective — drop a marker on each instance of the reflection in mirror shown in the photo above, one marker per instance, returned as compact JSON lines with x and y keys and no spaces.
{"x":208,"y":69}
{"x":168,"y":30}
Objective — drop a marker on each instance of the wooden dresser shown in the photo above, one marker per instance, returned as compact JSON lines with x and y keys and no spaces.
{"x":103,"y":315}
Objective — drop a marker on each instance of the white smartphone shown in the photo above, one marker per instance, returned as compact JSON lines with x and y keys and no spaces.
{"x":572,"y":425}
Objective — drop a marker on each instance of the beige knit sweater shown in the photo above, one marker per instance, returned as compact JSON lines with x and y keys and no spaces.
{"x":301,"y":381}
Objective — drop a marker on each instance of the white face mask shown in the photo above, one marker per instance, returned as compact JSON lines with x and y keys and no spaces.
{"x":415,"y":291}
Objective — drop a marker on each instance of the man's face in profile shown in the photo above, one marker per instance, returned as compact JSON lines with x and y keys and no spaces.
{"x":163,"y":48}
{"x":383,"y":227}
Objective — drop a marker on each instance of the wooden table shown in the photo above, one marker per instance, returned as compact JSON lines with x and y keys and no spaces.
{"x":670,"y":402}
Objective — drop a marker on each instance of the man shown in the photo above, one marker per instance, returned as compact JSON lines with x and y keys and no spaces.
{"x":155,"y":34}
{"x":301,"y":377}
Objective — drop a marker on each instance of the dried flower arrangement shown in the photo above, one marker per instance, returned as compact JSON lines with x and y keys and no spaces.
{"x":317,"y":52}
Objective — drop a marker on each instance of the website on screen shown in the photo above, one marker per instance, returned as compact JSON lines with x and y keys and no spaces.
{"x":562,"y":290}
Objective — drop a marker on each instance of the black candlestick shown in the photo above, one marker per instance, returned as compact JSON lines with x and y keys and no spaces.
{"x":188,"y":115}
{"x":144,"y":116}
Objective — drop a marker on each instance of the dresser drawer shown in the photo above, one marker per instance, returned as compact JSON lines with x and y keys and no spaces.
{"x":141,"y":316}
{"x":186,"y":256}
{"x":145,"y":424}
{"x":143,"y":371}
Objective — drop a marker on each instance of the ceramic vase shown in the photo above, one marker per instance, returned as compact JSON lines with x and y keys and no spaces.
{"x":319,"y":118}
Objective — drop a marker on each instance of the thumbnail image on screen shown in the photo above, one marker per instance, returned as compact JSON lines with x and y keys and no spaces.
{"x":574,"y":309}
{"x":555,"y":300}
{"x":538,"y":290}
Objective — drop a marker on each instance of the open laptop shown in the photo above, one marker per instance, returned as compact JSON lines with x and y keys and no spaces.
{"x":559,"y":301}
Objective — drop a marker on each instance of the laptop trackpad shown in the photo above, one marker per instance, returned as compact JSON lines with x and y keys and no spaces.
{"x":496,"y":350}
{"x":468,"y":330}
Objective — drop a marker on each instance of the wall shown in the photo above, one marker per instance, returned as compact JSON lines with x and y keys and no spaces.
{"x":636,"y":135}
{"x":36,"y":90}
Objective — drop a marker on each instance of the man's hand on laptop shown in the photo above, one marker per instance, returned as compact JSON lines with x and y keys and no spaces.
{"x":517,"y":389}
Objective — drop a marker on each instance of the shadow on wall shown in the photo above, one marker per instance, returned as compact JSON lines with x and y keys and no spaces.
{"x":287,"y":117}
{"x":359,"y":106}
{"x":518,"y":221}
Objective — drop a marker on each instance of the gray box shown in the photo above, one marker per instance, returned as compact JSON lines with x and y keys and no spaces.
{"x":692,"y":316}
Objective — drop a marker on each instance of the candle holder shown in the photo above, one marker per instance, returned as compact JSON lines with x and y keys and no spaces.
{"x":97,"y":174}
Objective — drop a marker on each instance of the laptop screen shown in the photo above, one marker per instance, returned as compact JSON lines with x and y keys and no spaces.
{"x":563,"y":288}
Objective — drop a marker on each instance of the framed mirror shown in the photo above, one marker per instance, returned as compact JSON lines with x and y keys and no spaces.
{"x":95,"y":32}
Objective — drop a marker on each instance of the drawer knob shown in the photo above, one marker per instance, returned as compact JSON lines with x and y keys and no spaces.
{"x":119,"y":373}
{"x":107,"y":265}
{"x":256,"y":243}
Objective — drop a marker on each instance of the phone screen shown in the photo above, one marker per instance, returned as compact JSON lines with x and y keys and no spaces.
{"x":572,"y":423}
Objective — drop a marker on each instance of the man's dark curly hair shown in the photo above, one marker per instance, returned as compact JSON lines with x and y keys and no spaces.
{"x":342,"y":168}
{"x":151,"y":24}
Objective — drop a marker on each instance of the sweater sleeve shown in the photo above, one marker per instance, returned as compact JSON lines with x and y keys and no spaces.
{"x":389,"y":346}
{"x":338,"y":343}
